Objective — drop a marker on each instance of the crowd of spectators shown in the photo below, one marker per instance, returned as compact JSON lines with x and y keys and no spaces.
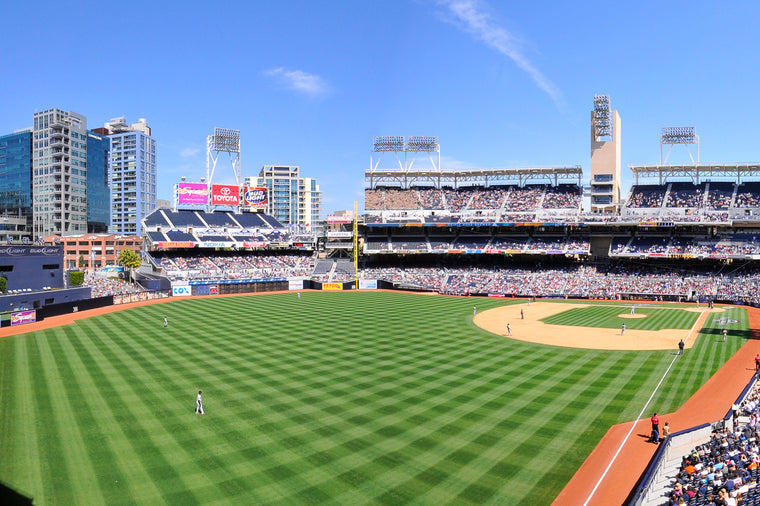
{"x":683,"y":195}
{"x":573,"y":280}
{"x":467,"y":242}
{"x":736,"y":245}
{"x":236,"y":267}
{"x":562,"y":197}
{"x":512,"y":198}
{"x":488,"y":199}
{"x":579,"y":282}
{"x":678,"y":202}
{"x":646,"y":197}
{"x":102,"y":283}
{"x":524,"y":199}
{"x":748,"y":195}
{"x":723,"y":470}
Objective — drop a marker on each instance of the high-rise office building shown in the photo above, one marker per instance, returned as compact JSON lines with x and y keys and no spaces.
{"x":59,"y":173}
{"x":132,"y":174}
{"x":16,"y":185}
{"x":98,"y":197}
{"x":292,"y":200}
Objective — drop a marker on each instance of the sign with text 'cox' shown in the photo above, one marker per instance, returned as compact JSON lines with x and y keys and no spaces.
{"x":181,"y":291}
{"x":225,"y":195}
{"x":255,"y":197}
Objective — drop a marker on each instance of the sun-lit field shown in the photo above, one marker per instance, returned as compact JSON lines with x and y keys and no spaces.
{"x":344,"y":398}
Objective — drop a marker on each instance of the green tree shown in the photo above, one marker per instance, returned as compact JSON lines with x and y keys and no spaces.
{"x":129,"y":259}
{"x":76,"y":278}
{"x":3,"y":284}
{"x":81,"y":261}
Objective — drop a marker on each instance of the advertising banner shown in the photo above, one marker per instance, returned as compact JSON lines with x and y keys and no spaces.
{"x":255,"y":197}
{"x":225,"y":195}
{"x":176,"y":244}
{"x":22,"y":317}
{"x":332,"y":286}
{"x":339,"y":235}
{"x":367,"y":284}
{"x":26,"y":251}
{"x":254,"y":244}
{"x":192,"y":193}
{"x":340,"y":219}
{"x":295,"y":284}
{"x":216,"y":244}
{"x":181,"y":291}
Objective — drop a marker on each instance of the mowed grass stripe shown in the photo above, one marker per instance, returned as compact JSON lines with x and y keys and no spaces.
{"x":615,"y":376}
{"x":22,"y":454}
{"x":608,"y":317}
{"x":214,"y":377}
{"x":350,"y":398}
{"x":148,"y":421}
{"x":85,"y":401}
{"x":52,"y":434}
{"x":127,"y":469}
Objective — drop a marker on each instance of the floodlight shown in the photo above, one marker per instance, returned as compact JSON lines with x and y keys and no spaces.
{"x":601,"y":119}
{"x":225,"y":139}
{"x":417,"y":143}
{"x":679,"y":135}
{"x":387,"y":143}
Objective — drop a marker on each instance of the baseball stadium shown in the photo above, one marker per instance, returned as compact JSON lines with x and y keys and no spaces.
{"x":482,"y":336}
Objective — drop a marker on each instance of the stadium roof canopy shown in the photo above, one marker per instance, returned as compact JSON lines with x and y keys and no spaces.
{"x":474,"y":177}
{"x":696,"y":172}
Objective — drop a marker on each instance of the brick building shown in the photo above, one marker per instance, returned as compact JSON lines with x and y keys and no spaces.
{"x":95,"y":250}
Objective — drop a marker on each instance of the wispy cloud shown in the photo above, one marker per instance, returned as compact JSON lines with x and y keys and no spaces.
{"x":450,"y":163}
{"x":189,"y":152}
{"x":470,"y":17}
{"x":297,"y":80}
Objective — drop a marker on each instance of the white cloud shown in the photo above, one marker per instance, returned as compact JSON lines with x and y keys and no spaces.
{"x":449,"y":163}
{"x":468,"y":16}
{"x":297,"y":80}
{"x":189,"y":152}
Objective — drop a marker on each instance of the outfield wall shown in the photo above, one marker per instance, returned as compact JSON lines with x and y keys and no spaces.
{"x":40,"y":299}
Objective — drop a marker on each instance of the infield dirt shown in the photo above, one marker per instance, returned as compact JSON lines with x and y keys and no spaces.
{"x":533,"y":330}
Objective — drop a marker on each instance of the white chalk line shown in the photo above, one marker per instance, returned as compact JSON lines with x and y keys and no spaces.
{"x":641,"y":413}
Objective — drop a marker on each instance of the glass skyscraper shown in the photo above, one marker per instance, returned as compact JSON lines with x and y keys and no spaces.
{"x":16,"y":184}
{"x":98,"y":196}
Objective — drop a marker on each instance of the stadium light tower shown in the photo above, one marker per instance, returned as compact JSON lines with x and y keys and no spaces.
{"x":429,"y":145}
{"x":397,"y":146}
{"x":386,"y":144}
{"x":605,"y":156}
{"x":679,"y":135}
{"x":223,"y":140}
{"x":601,"y":118}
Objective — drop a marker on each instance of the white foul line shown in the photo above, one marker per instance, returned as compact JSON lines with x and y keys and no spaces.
{"x":633,"y":426}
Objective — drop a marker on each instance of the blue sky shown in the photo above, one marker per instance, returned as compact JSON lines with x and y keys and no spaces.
{"x":308,"y":83}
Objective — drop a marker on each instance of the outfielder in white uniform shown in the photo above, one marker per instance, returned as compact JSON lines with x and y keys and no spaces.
{"x":199,"y":404}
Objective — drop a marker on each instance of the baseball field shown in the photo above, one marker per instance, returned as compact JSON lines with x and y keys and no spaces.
{"x":338,"y":398}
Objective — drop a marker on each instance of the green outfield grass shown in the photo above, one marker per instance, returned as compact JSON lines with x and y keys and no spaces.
{"x":607,"y":316}
{"x":342,"y":398}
